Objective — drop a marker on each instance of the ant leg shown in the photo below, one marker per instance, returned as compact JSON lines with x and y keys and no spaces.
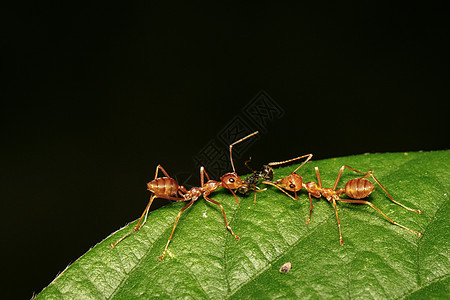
{"x":237,"y":142}
{"x":202,"y":179}
{"x":339,"y":176}
{"x":223,"y":212}
{"x":366,"y":174}
{"x":181,"y":191}
{"x":273,"y":184}
{"x":174,"y":226}
{"x":257,"y":189}
{"x":342,"y":170}
{"x":202,"y":174}
{"x":374,"y":207}
{"x":292,"y":159}
{"x":310,"y":211}
{"x":319,"y":180}
{"x":370,"y":173}
{"x":339,"y":223}
{"x":159,"y":167}
{"x":390,"y":197}
{"x":137,"y":227}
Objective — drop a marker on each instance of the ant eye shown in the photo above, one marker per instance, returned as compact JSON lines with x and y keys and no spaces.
{"x":231,"y":180}
{"x":292,"y":185}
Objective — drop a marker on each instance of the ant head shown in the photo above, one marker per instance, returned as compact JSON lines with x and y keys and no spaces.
{"x":231,"y":181}
{"x":291,"y":183}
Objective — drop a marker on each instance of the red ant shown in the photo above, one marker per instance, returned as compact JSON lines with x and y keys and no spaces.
{"x":163,"y":187}
{"x":231,"y":181}
{"x":358,"y":188}
{"x":168,"y":188}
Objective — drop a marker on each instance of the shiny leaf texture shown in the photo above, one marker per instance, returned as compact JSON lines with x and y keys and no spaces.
{"x":378,"y":260}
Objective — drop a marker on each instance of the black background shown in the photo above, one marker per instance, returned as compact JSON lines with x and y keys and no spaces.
{"x":97,"y":96}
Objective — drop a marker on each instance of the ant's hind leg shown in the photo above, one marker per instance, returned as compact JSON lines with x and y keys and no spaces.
{"x":159,"y":167}
{"x":340,"y":174}
{"x":367,"y":174}
{"x":382,"y":213}
{"x":370,"y":173}
{"x":137,"y":227}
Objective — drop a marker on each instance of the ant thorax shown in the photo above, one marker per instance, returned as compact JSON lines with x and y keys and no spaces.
{"x":193,"y":194}
{"x":211,"y":185}
{"x":329,"y":194}
{"x":313,"y":189}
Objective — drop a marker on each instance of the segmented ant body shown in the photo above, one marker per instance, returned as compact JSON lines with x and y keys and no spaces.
{"x":266,"y":173}
{"x":231,"y":181}
{"x":357,"y":189}
{"x":160,"y":187}
{"x":168,"y":188}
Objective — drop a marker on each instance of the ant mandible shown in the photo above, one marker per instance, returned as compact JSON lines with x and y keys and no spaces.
{"x":231,"y":181}
{"x":358,"y":188}
{"x":266,"y":173}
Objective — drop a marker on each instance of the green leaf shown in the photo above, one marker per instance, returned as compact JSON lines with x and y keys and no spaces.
{"x":378,"y":260}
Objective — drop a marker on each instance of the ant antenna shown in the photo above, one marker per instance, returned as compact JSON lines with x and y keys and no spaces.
{"x":231,"y":148}
{"x":291,"y":160}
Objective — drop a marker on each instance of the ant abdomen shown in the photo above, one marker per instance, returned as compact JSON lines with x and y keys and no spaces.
{"x":163,"y":185}
{"x":359,"y":188}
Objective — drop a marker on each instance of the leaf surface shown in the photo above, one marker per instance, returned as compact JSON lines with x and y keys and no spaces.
{"x":378,"y":260}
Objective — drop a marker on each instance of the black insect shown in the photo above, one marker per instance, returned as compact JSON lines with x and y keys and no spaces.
{"x":266,"y":173}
